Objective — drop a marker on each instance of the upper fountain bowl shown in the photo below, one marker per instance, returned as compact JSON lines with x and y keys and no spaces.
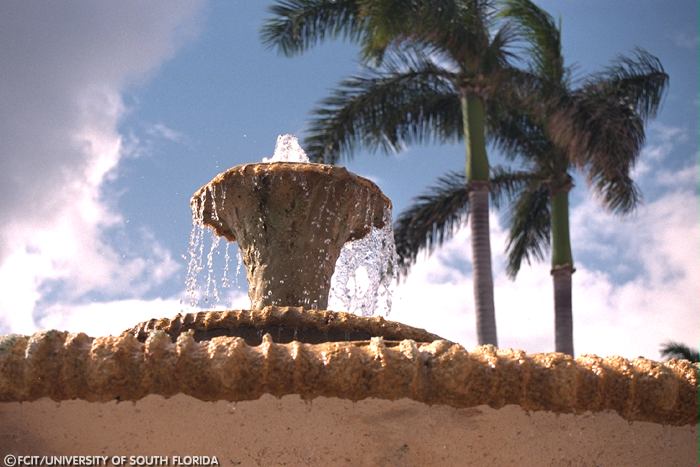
{"x":290,"y":220}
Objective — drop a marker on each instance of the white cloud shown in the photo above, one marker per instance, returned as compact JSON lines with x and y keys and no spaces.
{"x":612,"y":314}
{"x":664,"y":139}
{"x":113,"y":317}
{"x":436,"y":296}
{"x":65,"y":67}
{"x":685,"y":178}
{"x":161,"y":130}
{"x":107,"y":318}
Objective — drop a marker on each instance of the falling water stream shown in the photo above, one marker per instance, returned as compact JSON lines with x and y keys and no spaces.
{"x":364,"y":272}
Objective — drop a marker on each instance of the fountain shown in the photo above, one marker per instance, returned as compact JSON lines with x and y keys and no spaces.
{"x":383,"y":393}
{"x":291,"y":219}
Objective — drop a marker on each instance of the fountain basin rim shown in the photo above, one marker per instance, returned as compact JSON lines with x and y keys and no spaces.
{"x":290,"y":169}
{"x":284,"y":323}
{"x":65,"y":366}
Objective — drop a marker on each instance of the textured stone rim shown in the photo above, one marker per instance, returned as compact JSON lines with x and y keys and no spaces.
{"x":284,"y":324}
{"x":261,"y":168}
{"x":64,"y":366}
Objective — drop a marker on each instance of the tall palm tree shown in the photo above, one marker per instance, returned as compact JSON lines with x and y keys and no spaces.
{"x":597,"y":128}
{"x":437,"y":64}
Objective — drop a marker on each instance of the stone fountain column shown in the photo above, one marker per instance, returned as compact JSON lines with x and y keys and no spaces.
{"x":290,"y":221}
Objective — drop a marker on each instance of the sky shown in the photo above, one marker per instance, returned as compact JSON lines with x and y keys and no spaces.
{"x":114,"y":113}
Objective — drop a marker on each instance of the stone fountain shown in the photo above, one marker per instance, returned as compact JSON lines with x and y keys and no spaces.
{"x":290,"y":220}
{"x":383,"y":393}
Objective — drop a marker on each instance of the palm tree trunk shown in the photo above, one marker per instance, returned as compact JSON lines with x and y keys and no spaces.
{"x":562,"y":270}
{"x":563,"y":317}
{"x":481,"y":261}
{"x":477,"y":170}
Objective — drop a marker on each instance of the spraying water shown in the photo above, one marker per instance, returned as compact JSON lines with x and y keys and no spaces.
{"x":364,"y":272}
{"x":202,"y":284}
{"x":287,"y":149}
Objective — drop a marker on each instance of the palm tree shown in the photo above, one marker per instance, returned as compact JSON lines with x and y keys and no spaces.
{"x":673,"y":349}
{"x":597,"y":127}
{"x":436,"y":66}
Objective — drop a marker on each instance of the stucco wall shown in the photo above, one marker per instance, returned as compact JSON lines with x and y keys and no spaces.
{"x":331,"y":431}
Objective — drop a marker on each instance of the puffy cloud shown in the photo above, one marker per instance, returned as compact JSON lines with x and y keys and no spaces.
{"x":637,"y":283}
{"x":686,"y":178}
{"x":107,"y":318}
{"x":65,"y":67}
{"x":115,"y":316}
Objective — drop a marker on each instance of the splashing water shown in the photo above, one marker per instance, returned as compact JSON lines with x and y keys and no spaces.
{"x":287,"y":149}
{"x":195,"y":250}
{"x":225,"y":280}
{"x":202,"y":283}
{"x":364,"y":273}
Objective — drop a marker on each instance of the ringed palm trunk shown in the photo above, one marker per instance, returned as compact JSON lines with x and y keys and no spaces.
{"x":477,"y":171}
{"x":562,"y":270}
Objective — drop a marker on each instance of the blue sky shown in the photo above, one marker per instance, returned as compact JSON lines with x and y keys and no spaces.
{"x":114,"y":114}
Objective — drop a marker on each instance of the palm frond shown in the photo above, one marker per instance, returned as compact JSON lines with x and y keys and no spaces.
{"x":478,"y":18}
{"x":603,"y":137}
{"x":543,"y":37}
{"x":530,"y":225}
{"x":601,"y":125}
{"x":459,"y":28}
{"x":619,"y":194}
{"x":296,"y":25}
{"x":431,"y":219}
{"x":513,"y":130}
{"x":507,"y":184}
{"x":385,"y":109}
{"x":639,"y":82}
{"x":677,"y":350}
{"x":499,"y":52}
{"x":435,"y":216}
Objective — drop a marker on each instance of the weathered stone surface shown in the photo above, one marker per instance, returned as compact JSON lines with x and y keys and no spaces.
{"x":290,"y":221}
{"x":284,"y":324}
{"x":328,"y":431}
{"x":66,"y":366}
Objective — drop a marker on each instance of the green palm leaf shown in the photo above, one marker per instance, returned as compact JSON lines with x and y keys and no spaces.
{"x":435,"y":216}
{"x":297,"y":25}
{"x":639,"y":81}
{"x":530,"y":225}
{"x":516,"y":133}
{"x":603,"y":137}
{"x":403,"y":103}
{"x":601,"y":125}
{"x":431,"y":220}
{"x":543,"y":36}
{"x":459,"y":28}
